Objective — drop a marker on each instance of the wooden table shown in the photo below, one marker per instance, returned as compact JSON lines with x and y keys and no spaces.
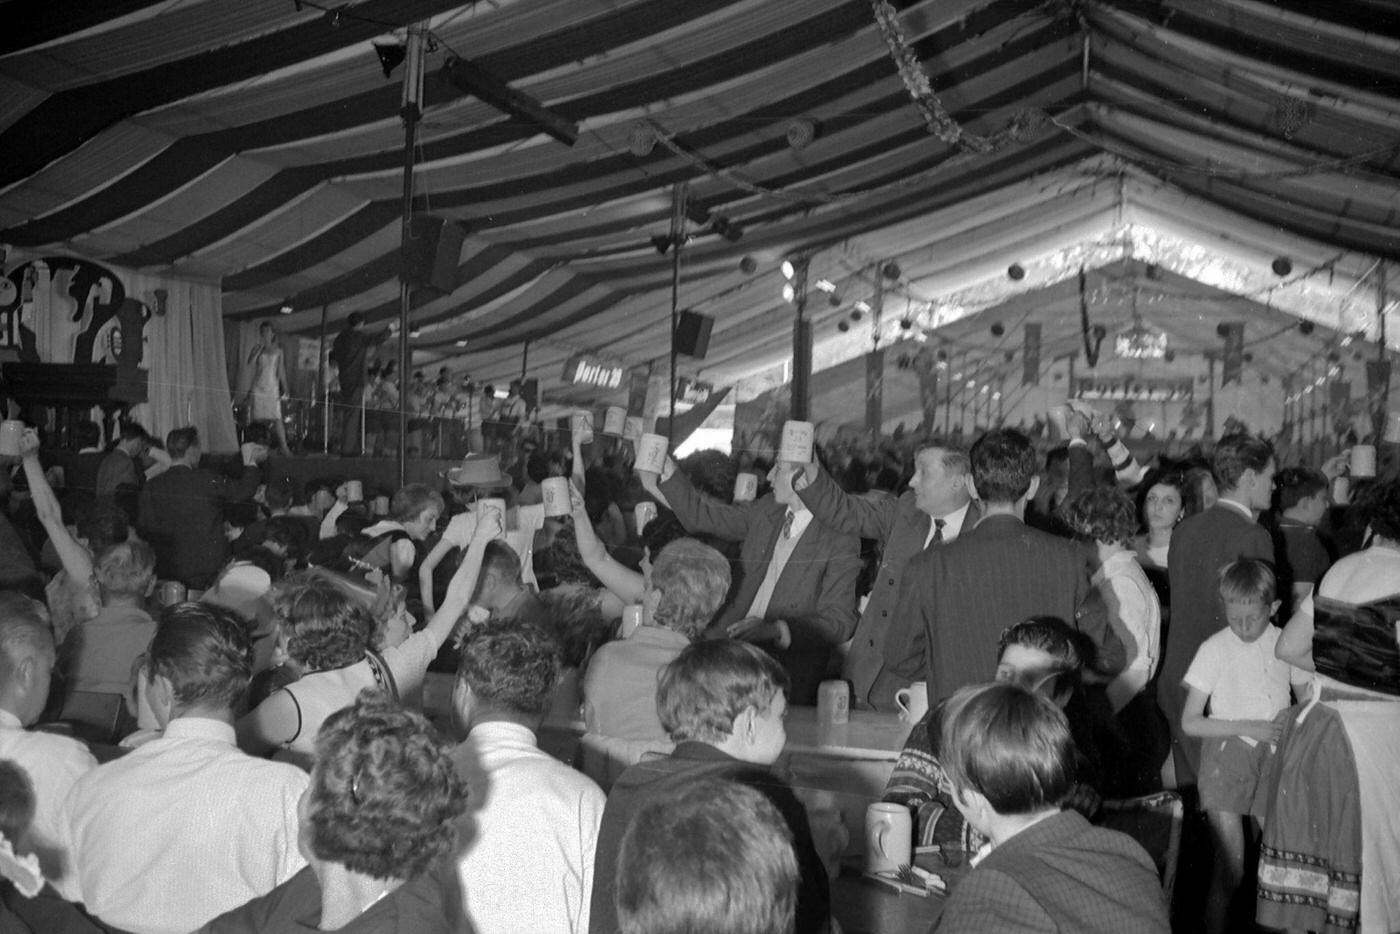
{"x":869,"y":735}
{"x":863,"y":906}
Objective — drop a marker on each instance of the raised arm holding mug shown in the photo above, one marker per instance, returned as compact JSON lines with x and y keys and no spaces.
{"x":935,"y":510}
{"x":797,"y":593}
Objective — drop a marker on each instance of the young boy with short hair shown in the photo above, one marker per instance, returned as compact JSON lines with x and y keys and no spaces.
{"x":1236,"y":671}
{"x":723,"y":703}
{"x":98,"y":654}
{"x":1009,"y":759}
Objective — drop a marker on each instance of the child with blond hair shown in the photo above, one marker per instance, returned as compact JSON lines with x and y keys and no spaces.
{"x":1246,"y":686}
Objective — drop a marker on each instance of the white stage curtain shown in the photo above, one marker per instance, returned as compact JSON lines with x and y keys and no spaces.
{"x":185,"y":357}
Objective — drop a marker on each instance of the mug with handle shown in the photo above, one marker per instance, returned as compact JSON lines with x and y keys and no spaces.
{"x":889,"y":831}
{"x":912,"y":702}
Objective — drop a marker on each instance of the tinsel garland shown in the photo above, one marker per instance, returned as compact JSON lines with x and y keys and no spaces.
{"x":936,"y":117}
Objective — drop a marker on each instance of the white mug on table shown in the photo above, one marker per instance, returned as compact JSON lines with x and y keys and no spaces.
{"x":912,"y":702}
{"x":889,"y":832}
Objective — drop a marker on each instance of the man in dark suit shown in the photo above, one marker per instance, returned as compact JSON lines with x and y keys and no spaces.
{"x":349,"y":353}
{"x":959,"y":598}
{"x":795,"y":592}
{"x":934,"y":511}
{"x":182,"y":510}
{"x":80,"y":469}
{"x":1201,"y":545}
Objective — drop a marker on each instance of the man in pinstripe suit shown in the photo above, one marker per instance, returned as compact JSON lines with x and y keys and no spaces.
{"x":998,"y":573}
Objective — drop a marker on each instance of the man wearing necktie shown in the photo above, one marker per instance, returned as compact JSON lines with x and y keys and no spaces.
{"x":937,"y":508}
{"x":956,"y":599}
{"x":795,"y":584}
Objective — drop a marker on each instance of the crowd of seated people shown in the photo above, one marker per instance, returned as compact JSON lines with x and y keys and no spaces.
{"x":1136,"y":608}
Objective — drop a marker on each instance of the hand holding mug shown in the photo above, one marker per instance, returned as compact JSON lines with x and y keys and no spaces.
{"x":29,"y":444}
{"x":490,"y":524}
{"x":460,"y":529}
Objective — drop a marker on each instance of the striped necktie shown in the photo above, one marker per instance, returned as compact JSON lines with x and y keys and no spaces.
{"x":937,"y":531}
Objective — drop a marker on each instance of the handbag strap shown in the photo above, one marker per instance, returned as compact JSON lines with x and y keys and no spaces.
{"x":383,"y":676}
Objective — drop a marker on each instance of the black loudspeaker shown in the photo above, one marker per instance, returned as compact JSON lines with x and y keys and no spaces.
{"x":434,"y":247}
{"x":693,"y":334}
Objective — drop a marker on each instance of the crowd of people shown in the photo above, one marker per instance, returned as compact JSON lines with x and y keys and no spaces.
{"x":1088,"y":627}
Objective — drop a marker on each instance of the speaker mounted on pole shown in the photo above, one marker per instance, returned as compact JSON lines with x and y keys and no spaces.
{"x":693,"y":334}
{"x":435,"y":247}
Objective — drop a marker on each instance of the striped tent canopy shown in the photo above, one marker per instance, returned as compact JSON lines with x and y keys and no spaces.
{"x":258,"y":143}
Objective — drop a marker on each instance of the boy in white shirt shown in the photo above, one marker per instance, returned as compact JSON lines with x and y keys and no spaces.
{"x":1247,"y":687}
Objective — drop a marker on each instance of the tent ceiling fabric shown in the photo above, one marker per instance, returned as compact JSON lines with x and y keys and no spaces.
{"x":258,"y":143}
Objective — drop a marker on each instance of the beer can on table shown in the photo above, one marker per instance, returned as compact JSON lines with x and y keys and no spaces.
{"x":833,"y":703}
{"x":172,"y":592}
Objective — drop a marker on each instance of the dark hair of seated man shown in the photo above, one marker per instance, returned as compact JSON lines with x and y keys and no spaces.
{"x":736,"y":874}
{"x":1041,"y":655}
{"x":724,"y":702}
{"x":1009,"y":760}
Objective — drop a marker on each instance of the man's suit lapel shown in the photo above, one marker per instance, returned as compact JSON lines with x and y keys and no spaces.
{"x":765,"y":527}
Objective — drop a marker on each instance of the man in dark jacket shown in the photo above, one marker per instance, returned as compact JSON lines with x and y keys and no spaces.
{"x":349,"y":353}
{"x":713,"y":682}
{"x":182,"y":510}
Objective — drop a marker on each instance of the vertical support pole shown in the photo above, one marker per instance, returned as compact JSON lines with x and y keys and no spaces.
{"x":411,"y":112}
{"x":875,"y":367}
{"x":322,"y":387}
{"x":678,"y":197}
{"x":1382,"y":405}
{"x":801,"y":345}
{"x":1210,"y":395}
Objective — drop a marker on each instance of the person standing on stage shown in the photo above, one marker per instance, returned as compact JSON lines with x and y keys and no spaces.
{"x":349,"y":353}
{"x":269,"y":383}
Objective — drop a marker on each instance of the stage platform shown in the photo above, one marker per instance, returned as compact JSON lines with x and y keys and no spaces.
{"x":379,"y":473}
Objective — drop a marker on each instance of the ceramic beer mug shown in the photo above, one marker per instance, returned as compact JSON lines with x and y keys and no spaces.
{"x":889,"y":831}
{"x":912,"y":702}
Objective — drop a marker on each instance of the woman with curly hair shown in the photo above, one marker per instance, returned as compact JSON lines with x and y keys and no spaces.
{"x":333,"y":641}
{"x":382,"y":809}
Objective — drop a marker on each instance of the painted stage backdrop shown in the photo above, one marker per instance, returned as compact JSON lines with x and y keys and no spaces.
{"x":65,"y":309}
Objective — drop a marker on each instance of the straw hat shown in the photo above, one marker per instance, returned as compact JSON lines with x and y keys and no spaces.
{"x":483,"y":470}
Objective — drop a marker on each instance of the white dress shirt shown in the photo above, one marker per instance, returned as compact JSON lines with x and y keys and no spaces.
{"x":952,"y":525}
{"x":54,"y":764}
{"x":1136,"y":615}
{"x":529,"y":865}
{"x":783,"y":548}
{"x":182,"y":829}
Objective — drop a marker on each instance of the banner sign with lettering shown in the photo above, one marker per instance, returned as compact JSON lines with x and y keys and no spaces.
{"x":693,"y":391}
{"x":1133,"y":388}
{"x":583,"y":370}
